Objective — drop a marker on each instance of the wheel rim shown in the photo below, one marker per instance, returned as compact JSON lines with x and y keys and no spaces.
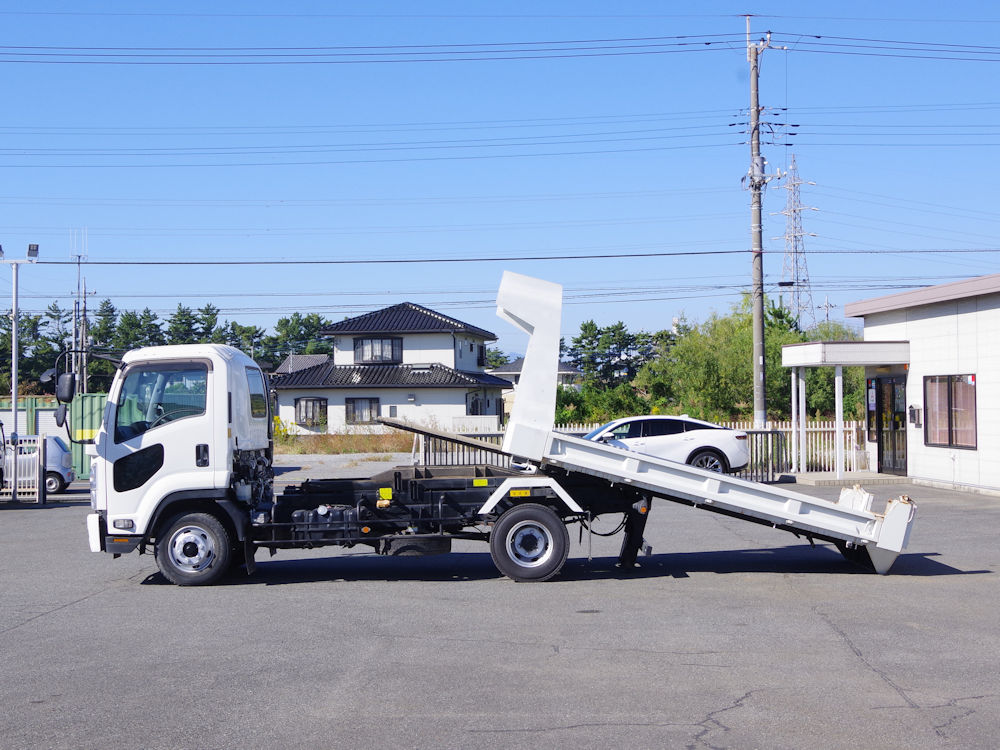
{"x":529,"y":544}
{"x":51,"y":484}
{"x":191,"y":549}
{"x":709,"y":462}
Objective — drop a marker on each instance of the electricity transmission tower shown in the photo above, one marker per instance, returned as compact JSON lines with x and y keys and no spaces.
{"x":794,"y":274}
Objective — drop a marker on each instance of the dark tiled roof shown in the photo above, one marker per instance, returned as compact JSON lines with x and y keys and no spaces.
{"x":295,"y":362}
{"x":405,"y":317}
{"x":329,"y":375}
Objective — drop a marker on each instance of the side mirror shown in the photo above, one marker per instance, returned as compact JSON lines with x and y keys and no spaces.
{"x":61,"y":415}
{"x":66,"y":387}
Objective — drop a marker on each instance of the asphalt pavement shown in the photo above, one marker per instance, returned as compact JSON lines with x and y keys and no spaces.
{"x":731,"y":635}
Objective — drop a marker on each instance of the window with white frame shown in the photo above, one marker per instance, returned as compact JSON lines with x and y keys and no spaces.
{"x":362,"y":410}
{"x":950,"y":411}
{"x":378,"y":351}
{"x":310,"y":412}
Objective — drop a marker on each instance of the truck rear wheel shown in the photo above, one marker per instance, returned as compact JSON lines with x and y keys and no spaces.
{"x":193,"y":549}
{"x":529,"y":543}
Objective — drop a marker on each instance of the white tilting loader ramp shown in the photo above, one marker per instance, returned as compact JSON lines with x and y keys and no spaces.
{"x":535,"y":306}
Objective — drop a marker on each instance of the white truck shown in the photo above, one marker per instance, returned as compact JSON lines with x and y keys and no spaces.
{"x":183,"y":468}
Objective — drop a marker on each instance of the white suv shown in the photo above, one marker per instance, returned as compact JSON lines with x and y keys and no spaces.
{"x":690,"y":441}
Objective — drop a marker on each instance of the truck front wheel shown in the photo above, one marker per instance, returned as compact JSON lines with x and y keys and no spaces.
{"x":529,"y":543}
{"x":193,"y":549}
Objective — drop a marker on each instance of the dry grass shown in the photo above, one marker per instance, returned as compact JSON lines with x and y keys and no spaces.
{"x":392,"y":442}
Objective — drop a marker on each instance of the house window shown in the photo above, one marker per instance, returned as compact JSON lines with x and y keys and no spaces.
{"x":362,"y":410}
{"x":378,"y":351}
{"x":481,"y":356}
{"x":950,"y":411}
{"x":310,"y":412}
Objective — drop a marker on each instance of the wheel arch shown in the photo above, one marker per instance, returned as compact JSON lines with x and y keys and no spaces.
{"x":715,"y":452}
{"x":515,"y":483}
{"x":232,"y":515}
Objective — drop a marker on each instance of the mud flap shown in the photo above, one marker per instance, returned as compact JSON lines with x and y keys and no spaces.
{"x":635,"y":525}
{"x":248,"y":553}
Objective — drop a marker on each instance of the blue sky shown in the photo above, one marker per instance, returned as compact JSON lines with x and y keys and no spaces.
{"x":609,"y":139}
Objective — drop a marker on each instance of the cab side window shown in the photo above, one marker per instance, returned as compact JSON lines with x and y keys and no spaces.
{"x":258,"y":393}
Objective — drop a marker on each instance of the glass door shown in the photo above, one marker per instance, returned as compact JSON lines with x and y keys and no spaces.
{"x":891,"y":425}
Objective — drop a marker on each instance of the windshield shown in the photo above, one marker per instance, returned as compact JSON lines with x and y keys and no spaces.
{"x":154,"y":395}
{"x":594,"y":433}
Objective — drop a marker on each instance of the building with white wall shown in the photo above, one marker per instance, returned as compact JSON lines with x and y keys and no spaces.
{"x":932,"y":368}
{"x":939,"y":415}
{"x":404,"y":362}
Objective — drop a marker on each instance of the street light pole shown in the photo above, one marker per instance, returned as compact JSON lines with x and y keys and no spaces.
{"x":32,"y":257}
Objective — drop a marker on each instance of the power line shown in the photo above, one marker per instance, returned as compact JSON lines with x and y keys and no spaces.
{"x":501,"y":259}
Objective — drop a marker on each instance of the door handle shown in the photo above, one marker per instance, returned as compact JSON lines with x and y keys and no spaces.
{"x":201,"y":455}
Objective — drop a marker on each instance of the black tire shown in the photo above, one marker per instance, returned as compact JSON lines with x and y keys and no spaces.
{"x":54,"y":483}
{"x":529,"y":543}
{"x":709,"y":460}
{"x":193,"y":549}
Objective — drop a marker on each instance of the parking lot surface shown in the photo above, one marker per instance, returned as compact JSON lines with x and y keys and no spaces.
{"x":731,"y":635}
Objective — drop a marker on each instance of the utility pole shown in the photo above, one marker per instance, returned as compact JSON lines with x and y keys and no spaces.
{"x":79,"y":361}
{"x":84,"y":343}
{"x":757,"y":179}
{"x":826,"y":307}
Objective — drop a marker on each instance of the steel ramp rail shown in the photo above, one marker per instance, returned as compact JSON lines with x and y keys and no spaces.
{"x":883,"y":535}
{"x":535,"y":306}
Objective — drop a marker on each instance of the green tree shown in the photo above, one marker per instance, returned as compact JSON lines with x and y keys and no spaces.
{"x":820,"y":386}
{"x":583,"y":351}
{"x":245,"y":338}
{"x":137,"y":329}
{"x":150,"y":331}
{"x":496,"y":358}
{"x":296,"y":334}
{"x":128,"y":332}
{"x":183,"y":327}
{"x":56,"y":323}
{"x":611,"y":355}
{"x":105,"y":323}
{"x":34,"y":354}
{"x":708,"y":372}
{"x":207,"y":325}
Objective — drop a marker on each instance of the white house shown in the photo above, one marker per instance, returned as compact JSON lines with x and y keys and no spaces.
{"x":404,"y":362}
{"x":933,"y":381}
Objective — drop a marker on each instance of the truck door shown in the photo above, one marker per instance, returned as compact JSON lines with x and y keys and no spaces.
{"x":156,"y":438}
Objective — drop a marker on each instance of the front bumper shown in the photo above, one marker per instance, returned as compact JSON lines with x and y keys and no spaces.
{"x":95,"y":531}
{"x":101,"y":541}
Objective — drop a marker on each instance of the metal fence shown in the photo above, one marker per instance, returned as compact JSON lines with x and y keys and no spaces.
{"x":768,"y":453}
{"x":820,"y":448}
{"x":768,"y":456}
{"x":441,"y":452}
{"x":24,"y":471}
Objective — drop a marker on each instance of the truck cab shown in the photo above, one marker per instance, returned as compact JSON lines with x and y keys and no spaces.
{"x":185,"y":428}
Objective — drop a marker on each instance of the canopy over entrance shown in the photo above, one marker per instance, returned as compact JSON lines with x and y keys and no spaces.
{"x":836,"y":354}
